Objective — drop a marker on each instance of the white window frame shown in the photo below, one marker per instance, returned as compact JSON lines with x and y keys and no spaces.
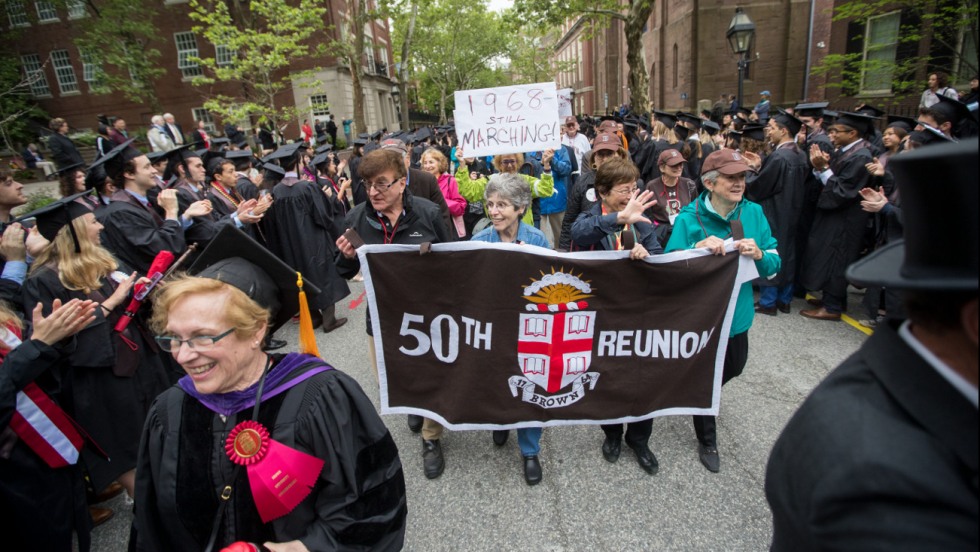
{"x":46,"y":12}
{"x":76,"y":9}
{"x":186,"y":44}
{"x":92,"y":72}
{"x":897,"y":14}
{"x":17,"y":14}
{"x":223,"y":55}
{"x":317,"y":101}
{"x":64,"y":71}
{"x":32,"y":67}
{"x":202,"y":114}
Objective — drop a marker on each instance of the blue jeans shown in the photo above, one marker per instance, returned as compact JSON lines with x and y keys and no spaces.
{"x":529,"y":439}
{"x":770,"y":295}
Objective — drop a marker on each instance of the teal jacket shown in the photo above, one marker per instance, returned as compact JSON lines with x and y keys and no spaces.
{"x":695,"y":219}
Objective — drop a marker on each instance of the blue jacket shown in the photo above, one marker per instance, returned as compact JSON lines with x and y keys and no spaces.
{"x":594,"y":230}
{"x":561,"y":171}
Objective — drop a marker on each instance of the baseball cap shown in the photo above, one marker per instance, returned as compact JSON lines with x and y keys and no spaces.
{"x":607,"y":141}
{"x":671,"y":158}
{"x":726,"y":161}
{"x":394,"y":144}
{"x":570,"y":119}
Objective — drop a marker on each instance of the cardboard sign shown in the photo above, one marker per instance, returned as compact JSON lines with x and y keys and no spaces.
{"x":508,"y":119}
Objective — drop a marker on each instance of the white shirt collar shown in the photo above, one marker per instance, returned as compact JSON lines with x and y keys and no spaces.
{"x":954,"y":379}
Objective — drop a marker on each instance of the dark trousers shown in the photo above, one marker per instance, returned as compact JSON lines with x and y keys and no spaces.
{"x":637,"y":433}
{"x":735,"y":358}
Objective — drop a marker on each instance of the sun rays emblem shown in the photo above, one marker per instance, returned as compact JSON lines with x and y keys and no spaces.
{"x":554,"y":341}
{"x":558,"y":288}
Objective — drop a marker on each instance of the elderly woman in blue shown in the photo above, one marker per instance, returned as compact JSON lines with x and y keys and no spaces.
{"x":507,"y":197}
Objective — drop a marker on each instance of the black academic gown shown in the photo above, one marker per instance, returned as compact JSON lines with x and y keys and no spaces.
{"x":301,"y":231}
{"x":779,"y":187}
{"x":40,"y":506}
{"x":839,"y":223}
{"x":358,"y":502}
{"x":110,"y":407}
{"x":205,"y":227}
{"x":811,"y":191}
{"x":135,"y":234}
{"x":246,"y":188}
{"x":881,"y":456}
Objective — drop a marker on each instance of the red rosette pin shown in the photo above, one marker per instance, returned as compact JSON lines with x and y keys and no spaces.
{"x":247,"y":443}
{"x":279,"y":476}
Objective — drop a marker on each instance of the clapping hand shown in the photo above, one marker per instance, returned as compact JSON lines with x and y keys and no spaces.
{"x":873,"y":200}
{"x":64,"y":320}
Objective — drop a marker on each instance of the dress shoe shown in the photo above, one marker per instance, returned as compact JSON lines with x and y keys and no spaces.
{"x":820,"y":314}
{"x":415,"y":423}
{"x":331,"y":326}
{"x":500,"y":437}
{"x":814,"y":301}
{"x":111,"y":491}
{"x":532,"y":470}
{"x":432,"y":460}
{"x":100,"y":515}
{"x":611,"y":449}
{"x":646,"y":459}
{"x":274,"y":345}
{"x":771,"y":311}
{"x":783,"y":307}
{"x":709,"y":457}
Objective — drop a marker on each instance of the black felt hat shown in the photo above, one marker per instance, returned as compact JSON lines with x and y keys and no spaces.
{"x":235,"y":258}
{"x":792,"y":124}
{"x":935,"y":255}
{"x":114,"y":161}
{"x":56,"y":215}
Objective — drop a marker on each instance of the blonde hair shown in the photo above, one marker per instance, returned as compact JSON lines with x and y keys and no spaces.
{"x":498,"y":158}
{"x":82,"y":271}
{"x":439,"y":157}
{"x":661,"y":132}
{"x":241,"y":312}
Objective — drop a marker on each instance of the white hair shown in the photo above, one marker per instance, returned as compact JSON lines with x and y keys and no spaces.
{"x":168,"y":115}
{"x":156,"y":119}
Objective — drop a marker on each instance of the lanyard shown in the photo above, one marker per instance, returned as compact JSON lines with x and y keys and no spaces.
{"x":384,"y":228}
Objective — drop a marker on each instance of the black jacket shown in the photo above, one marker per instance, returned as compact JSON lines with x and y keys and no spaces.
{"x":63,"y":151}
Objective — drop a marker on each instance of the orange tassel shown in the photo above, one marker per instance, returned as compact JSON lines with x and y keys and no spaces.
{"x":307,"y":339}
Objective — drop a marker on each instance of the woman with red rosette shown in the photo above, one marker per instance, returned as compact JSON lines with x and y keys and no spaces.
{"x":251,"y":449}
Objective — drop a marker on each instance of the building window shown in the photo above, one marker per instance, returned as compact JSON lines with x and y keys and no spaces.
{"x":675,"y":66}
{"x":319,"y":106}
{"x":35,"y":74}
{"x":201,"y":114}
{"x":186,"y":50}
{"x":45,"y":11}
{"x":64,"y":71}
{"x":92,"y":72}
{"x":880,"y":51}
{"x":17,"y":13}
{"x":223,"y":55}
{"x":967,"y":58}
{"x":76,"y":9}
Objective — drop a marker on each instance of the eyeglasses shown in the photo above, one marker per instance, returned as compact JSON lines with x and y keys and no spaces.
{"x":508,"y":161}
{"x":197,"y":343}
{"x":626,"y":192}
{"x":380,"y":186}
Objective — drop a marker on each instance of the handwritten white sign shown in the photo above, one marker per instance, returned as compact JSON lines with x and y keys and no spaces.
{"x":508,"y":119}
{"x":565,"y":103}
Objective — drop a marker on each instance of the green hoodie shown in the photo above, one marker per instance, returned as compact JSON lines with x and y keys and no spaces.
{"x":695,"y":219}
{"x":472,"y":190}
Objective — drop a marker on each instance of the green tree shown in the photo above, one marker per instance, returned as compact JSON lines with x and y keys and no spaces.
{"x":932,"y":35}
{"x":543,"y":14}
{"x":257,"y":41}
{"x":404,"y":16}
{"x":530,"y":54}
{"x":462,"y":39}
{"x":17,"y":105}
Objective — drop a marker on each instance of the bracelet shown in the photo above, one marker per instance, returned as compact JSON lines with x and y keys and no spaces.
{"x":105,"y":309}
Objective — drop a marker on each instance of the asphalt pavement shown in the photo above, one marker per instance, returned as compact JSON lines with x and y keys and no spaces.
{"x":481,"y":502}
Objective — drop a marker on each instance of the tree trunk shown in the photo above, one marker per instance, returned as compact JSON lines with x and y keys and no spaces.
{"x":442,"y":105}
{"x":637,"y":80}
{"x":357,"y":67}
{"x":403,"y":70}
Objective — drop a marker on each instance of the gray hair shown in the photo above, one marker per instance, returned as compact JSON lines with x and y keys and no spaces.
{"x":710,"y":175}
{"x":156,"y":119}
{"x":511,"y":187}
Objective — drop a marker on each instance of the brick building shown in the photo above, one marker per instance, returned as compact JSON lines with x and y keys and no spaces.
{"x":69,"y":89}
{"x":688,"y":58}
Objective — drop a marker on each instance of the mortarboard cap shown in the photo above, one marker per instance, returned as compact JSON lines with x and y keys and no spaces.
{"x":792,"y":124}
{"x":754,"y":132}
{"x":365,"y":135}
{"x":954,"y":110}
{"x":274,"y":171}
{"x":217,"y":143}
{"x":928,"y":135}
{"x":156,"y":156}
{"x":371,"y":146}
{"x":323,"y":149}
{"x":114,"y":161}
{"x":235,"y":258}
{"x":813,"y":109}
{"x":320,"y":159}
{"x":63,"y":171}
{"x":682,"y":132}
{"x":689,"y":118}
{"x":711,"y":127}
{"x":56,"y":215}
{"x":360,"y":142}
{"x":869,"y":110}
{"x":705,"y":114}
{"x":376,"y":135}
{"x":284,"y":152}
{"x":237,"y":154}
{"x":747,"y":111}
{"x":857,"y":121}
{"x":668,"y":119}
{"x":904,"y":123}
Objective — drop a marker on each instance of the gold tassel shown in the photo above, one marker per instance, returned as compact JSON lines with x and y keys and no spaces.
{"x":307,"y":339}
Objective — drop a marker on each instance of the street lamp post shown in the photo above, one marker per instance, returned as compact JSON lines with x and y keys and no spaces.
{"x":740,"y":33}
